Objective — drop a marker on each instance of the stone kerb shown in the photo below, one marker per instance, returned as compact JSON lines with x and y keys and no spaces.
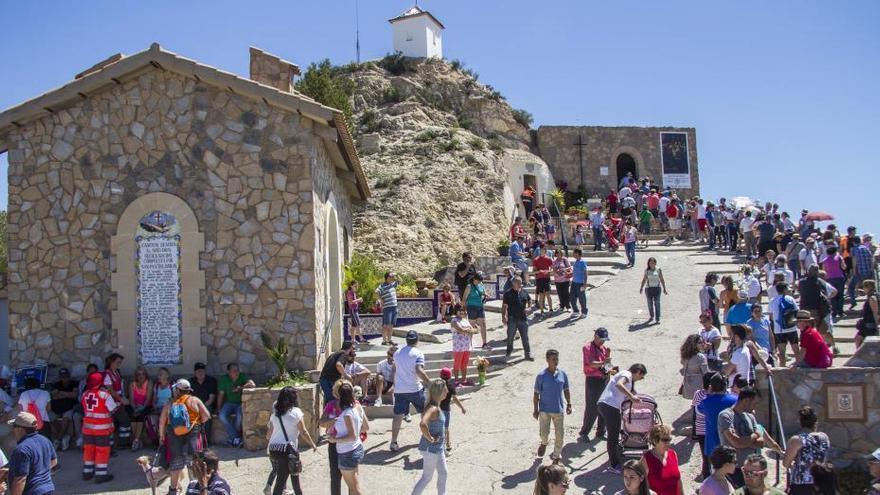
{"x":192,"y":279}
{"x":257,"y":409}
{"x":796,"y":387}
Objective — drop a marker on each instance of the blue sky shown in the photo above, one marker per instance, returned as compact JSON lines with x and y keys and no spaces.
{"x":784,"y":94}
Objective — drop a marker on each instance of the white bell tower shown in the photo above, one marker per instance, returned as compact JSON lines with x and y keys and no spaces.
{"x":418,"y":34}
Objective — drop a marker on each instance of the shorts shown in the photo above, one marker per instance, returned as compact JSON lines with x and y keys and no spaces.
{"x":786,"y":338}
{"x":389,"y":316}
{"x":183,"y":447}
{"x":475,"y":312}
{"x":866,"y":332}
{"x":542,"y":285}
{"x":521,"y":265}
{"x":355,"y":317}
{"x":701,"y":224}
{"x":349,"y":461}
{"x":54,"y":415}
{"x":402,"y":402}
{"x":655,"y":212}
{"x":386,"y":387}
{"x":674,"y":223}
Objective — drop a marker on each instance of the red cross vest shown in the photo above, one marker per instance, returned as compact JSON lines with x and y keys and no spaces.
{"x":97,"y":416}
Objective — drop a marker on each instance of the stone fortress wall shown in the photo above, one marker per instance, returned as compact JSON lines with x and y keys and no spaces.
{"x":603,"y":145}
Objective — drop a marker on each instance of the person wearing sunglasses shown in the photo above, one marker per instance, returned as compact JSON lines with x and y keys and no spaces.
{"x":551,"y":479}
{"x":755,"y":472}
{"x":661,"y":463}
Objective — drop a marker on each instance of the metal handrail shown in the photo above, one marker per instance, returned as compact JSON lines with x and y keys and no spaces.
{"x":326,"y":338}
{"x":774,"y":407}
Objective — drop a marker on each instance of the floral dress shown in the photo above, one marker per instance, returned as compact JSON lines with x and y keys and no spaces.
{"x":814,"y":448}
{"x":461,"y":342}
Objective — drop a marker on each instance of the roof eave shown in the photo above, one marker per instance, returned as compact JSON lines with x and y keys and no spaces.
{"x":400,"y":18}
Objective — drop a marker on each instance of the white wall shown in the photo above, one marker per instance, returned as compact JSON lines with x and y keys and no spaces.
{"x":414,"y":37}
{"x":519,"y":163}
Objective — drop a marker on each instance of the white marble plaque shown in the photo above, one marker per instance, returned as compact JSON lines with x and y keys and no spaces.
{"x":158,"y":291}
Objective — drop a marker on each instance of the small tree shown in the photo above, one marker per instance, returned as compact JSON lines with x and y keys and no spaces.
{"x":323,"y":83}
{"x":278,"y":353}
{"x":523,"y":117}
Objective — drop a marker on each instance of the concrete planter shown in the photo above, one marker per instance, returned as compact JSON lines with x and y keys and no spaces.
{"x":257,"y":408}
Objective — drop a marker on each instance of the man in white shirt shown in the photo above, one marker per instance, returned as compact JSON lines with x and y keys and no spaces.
{"x":712,"y":337}
{"x":753,"y":286}
{"x":359,"y":373}
{"x":807,"y":257}
{"x":33,"y":394}
{"x":409,"y":374}
{"x":625,"y":192}
{"x":385,"y":376}
{"x":745,"y":226}
{"x":781,"y":304}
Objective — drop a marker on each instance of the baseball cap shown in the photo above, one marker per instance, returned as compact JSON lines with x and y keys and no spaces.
{"x":446,"y":374}
{"x":64,"y":372}
{"x":24,"y":420}
{"x":182,"y":384}
{"x":602,"y":333}
{"x":199,"y":366}
{"x":412,"y":335}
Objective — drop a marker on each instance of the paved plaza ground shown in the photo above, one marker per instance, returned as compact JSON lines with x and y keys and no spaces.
{"x":495,"y":443}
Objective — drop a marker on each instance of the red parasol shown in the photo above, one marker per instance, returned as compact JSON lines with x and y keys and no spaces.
{"x":582,"y":222}
{"x":819,"y":216}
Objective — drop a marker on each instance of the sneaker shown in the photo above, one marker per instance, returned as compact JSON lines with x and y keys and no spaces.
{"x":237,"y":443}
{"x":79,"y":442}
{"x":613,"y":470}
{"x":267,"y":490}
{"x":65,"y":443}
{"x":554,"y":456}
{"x":104,"y":478}
{"x":468,"y":383}
{"x":542,"y":449}
{"x":529,"y":357}
{"x":487,"y":347}
{"x":407,"y":418}
{"x":575,"y":314}
{"x":583,"y":315}
{"x":393,"y":447}
{"x":378,"y":402}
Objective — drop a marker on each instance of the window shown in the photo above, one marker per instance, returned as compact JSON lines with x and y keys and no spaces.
{"x":409,"y":36}
{"x":435,"y":38}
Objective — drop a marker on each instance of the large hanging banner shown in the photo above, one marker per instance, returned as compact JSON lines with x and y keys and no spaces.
{"x":159,"y":307}
{"x":674,"y":160}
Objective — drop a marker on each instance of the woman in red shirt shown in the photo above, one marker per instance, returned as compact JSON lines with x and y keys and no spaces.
{"x":661,"y":462}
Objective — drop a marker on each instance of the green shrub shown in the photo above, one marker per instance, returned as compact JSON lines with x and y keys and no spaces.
{"x":477,"y":143}
{"x":523,"y":117}
{"x":278,"y":353}
{"x":495,"y":145}
{"x":368,"y":275}
{"x":391,"y":95}
{"x":328,"y":86}
{"x":397,"y":64}
{"x":456,"y":64}
{"x":427,"y":135}
{"x":452,"y":145}
{"x":463,"y":121}
{"x":369,"y":121}
{"x":853,"y":479}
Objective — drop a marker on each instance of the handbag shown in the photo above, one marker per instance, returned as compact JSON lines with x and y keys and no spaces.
{"x":294,"y":464}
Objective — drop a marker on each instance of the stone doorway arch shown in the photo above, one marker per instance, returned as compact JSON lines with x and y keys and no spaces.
{"x":333,"y":269}
{"x":125,"y":283}
{"x":626,"y":164}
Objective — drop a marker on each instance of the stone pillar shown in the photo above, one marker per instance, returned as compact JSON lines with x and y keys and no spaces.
{"x":272,"y":71}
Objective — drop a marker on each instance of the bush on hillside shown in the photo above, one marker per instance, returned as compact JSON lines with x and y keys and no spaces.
{"x":325,"y":84}
{"x":523,"y":117}
{"x":397,"y":64}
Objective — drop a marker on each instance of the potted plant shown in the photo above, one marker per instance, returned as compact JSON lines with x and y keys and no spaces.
{"x":504,"y":247}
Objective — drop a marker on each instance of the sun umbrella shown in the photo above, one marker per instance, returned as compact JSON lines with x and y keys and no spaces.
{"x":741,"y":202}
{"x":582,"y":222}
{"x":819,"y":216}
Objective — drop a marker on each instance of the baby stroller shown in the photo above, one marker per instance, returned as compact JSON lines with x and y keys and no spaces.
{"x":636,"y":420}
{"x":612,"y":234}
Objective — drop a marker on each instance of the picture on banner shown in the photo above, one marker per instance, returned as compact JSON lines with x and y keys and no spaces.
{"x":159,"y":306}
{"x":674,"y":160}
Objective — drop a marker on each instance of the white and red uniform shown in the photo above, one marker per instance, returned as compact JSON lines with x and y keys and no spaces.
{"x":97,"y":428}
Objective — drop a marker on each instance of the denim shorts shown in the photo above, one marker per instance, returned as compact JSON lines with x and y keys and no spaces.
{"x":474,"y":312}
{"x":349,"y":461}
{"x":355,"y":319}
{"x":402,"y":402}
{"x":446,"y":414}
{"x":389,"y":316}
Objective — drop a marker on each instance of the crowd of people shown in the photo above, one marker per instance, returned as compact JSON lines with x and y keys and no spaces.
{"x":803,"y":275}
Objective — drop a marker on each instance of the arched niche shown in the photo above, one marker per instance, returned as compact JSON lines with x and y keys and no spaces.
{"x":158,"y":234}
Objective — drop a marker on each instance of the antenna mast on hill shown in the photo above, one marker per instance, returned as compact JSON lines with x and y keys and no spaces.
{"x":357,"y":32}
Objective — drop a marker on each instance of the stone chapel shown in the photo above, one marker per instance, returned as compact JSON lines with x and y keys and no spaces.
{"x":171,"y":211}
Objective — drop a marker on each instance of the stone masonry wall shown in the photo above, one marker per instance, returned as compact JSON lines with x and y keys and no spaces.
{"x":603,"y":145}
{"x":244,"y":168}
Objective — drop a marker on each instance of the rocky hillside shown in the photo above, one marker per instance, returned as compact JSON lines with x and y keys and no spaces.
{"x":431,"y":139}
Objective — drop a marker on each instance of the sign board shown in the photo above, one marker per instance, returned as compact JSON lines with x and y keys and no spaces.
{"x":23,"y":373}
{"x":603,"y":171}
{"x":674,"y":160}
{"x":159,"y":306}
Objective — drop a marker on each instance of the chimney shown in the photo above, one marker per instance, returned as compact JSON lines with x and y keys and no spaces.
{"x":272,"y":71}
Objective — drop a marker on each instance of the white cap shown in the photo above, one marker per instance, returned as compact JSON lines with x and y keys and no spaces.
{"x":182,"y":384}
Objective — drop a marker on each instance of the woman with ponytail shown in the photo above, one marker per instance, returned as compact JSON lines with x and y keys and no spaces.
{"x":552,"y":479}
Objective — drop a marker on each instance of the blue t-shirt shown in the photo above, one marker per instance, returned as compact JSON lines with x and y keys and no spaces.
{"x":738,"y":314}
{"x":711,"y":407}
{"x":761,"y":332}
{"x":32,"y":458}
{"x":550,"y":388}
{"x":579,"y":271}
{"x":516,"y":251}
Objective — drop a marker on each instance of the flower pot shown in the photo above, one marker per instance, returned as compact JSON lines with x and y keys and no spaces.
{"x":503,"y":250}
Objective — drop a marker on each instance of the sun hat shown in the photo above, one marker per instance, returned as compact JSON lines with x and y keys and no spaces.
{"x":182,"y":384}
{"x":23,"y":419}
{"x":804,"y":315}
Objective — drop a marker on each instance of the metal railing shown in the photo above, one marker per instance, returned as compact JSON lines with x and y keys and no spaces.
{"x":326,"y":338}
{"x":774,"y":408}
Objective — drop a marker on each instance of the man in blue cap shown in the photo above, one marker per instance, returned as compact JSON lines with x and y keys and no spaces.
{"x":409,"y":376}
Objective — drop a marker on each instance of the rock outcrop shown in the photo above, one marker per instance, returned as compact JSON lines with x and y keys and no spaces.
{"x":431,"y":140}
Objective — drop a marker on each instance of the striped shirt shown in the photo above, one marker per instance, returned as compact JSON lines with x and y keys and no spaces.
{"x":388,"y":293}
{"x":216,"y":486}
{"x":699,"y":419}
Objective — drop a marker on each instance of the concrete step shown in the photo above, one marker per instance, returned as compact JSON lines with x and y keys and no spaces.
{"x":372,"y":355}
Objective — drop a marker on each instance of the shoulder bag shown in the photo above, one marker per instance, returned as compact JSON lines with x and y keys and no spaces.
{"x":294,"y":464}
